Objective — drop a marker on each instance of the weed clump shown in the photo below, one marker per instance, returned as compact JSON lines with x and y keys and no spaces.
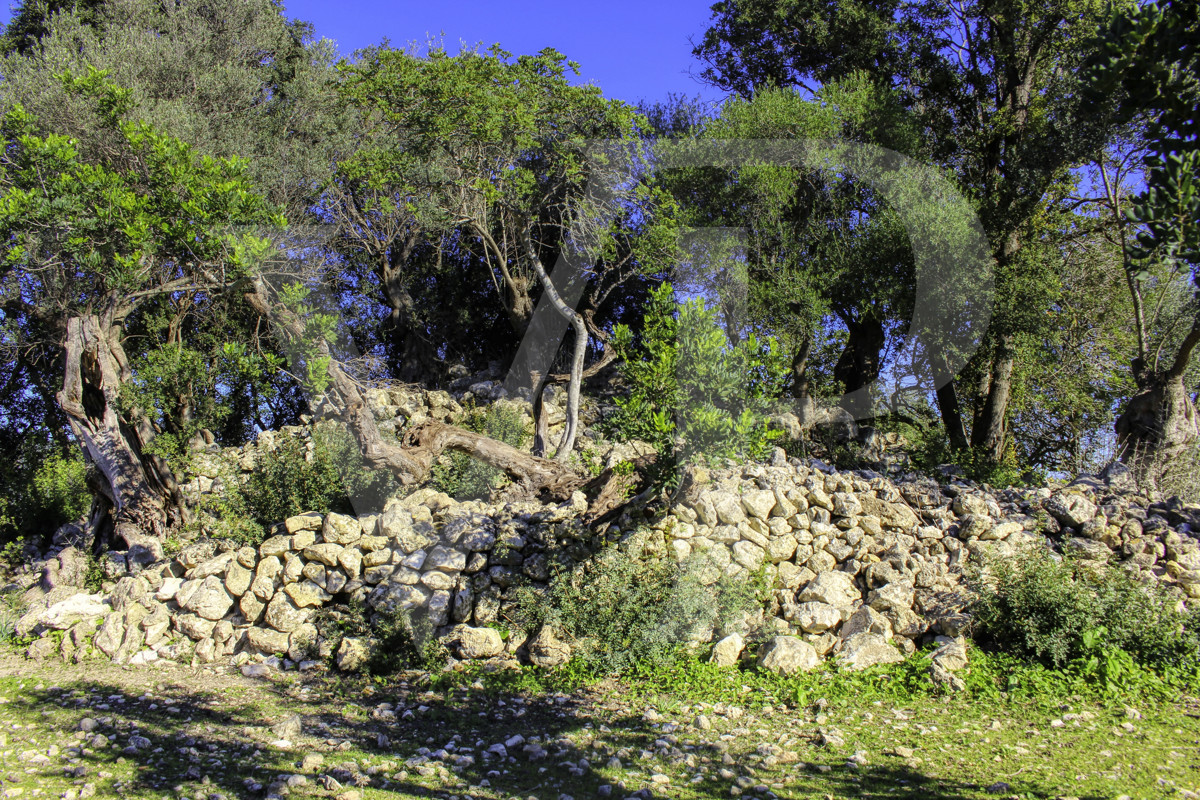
{"x":397,"y":641}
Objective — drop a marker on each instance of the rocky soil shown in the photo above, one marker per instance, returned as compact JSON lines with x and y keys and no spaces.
{"x":100,"y":730}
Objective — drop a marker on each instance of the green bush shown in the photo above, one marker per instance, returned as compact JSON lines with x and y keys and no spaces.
{"x":286,"y":483}
{"x":60,"y":487}
{"x":466,"y":478}
{"x":1055,"y":612}
{"x":690,"y":386}
{"x":625,"y":613}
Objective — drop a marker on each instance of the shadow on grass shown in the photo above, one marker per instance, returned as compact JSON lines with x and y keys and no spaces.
{"x":202,"y":742}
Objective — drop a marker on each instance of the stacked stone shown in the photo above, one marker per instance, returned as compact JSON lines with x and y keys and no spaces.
{"x":864,"y":569}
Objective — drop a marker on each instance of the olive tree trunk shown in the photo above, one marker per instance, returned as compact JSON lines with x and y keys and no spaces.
{"x":1160,"y":422}
{"x":143,"y":493}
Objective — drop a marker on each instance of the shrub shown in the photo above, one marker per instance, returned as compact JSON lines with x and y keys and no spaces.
{"x":60,"y":488}
{"x":286,"y":482}
{"x":626,"y":613}
{"x":1056,"y":611}
{"x":466,"y":478}
{"x":691,"y":387}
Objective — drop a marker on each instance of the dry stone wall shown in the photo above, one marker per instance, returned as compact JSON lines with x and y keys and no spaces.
{"x":864,"y":568}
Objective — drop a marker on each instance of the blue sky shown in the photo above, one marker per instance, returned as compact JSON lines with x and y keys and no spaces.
{"x":631,"y":49}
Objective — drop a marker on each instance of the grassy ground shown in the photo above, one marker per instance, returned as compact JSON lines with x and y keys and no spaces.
{"x":106,"y":731}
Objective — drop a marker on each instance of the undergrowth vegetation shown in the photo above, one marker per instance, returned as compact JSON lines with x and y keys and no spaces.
{"x":1056,"y":610}
{"x":41,"y":488}
{"x":627,"y":614}
{"x":394,"y":641}
{"x":694,"y":394}
{"x":291,"y":479}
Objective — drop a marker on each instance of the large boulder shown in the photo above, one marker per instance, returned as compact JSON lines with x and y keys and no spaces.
{"x":787,"y":655}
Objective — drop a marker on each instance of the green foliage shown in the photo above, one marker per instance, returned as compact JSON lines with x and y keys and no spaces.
{"x":45,"y":489}
{"x":466,"y":478}
{"x":1056,"y":611}
{"x":309,"y":350}
{"x":287,"y":482}
{"x":93,"y":575}
{"x":60,"y":487}
{"x":693,"y":393}
{"x":625,"y":613}
{"x":396,"y":641}
{"x":1147,"y":65}
{"x":183,"y":389}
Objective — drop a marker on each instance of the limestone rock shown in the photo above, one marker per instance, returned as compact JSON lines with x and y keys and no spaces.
{"x":66,"y":613}
{"x":832,"y":588}
{"x":308,"y":521}
{"x":110,"y":635}
{"x":214,"y":566}
{"x":814,"y":617}
{"x":326,"y":554}
{"x":892,"y":596}
{"x":352,"y":655}
{"x":237,"y":579}
{"x":210,"y":599}
{"x":168,"y":590}
{"x":546,"y":650}
{"x":275,"y":546}
{"x":446,"y":560}
{"x":867,"y":620}
{"x":758,"y":504}
{"x":728,"y":507}
{"x":472,"y":643}
{"x":868,"y":649}
{"x":1071,"y":508}
{"x":341,"y":529}
{"x":787,"y":655}
{"x":194,"y":626}
{"x":728,"y":651}
{"x":283,"y":615}
{"x":306,"y":594}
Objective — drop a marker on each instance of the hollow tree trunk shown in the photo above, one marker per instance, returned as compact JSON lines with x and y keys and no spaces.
{"x":140,"y":487}
{"x":1160,"y":421}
